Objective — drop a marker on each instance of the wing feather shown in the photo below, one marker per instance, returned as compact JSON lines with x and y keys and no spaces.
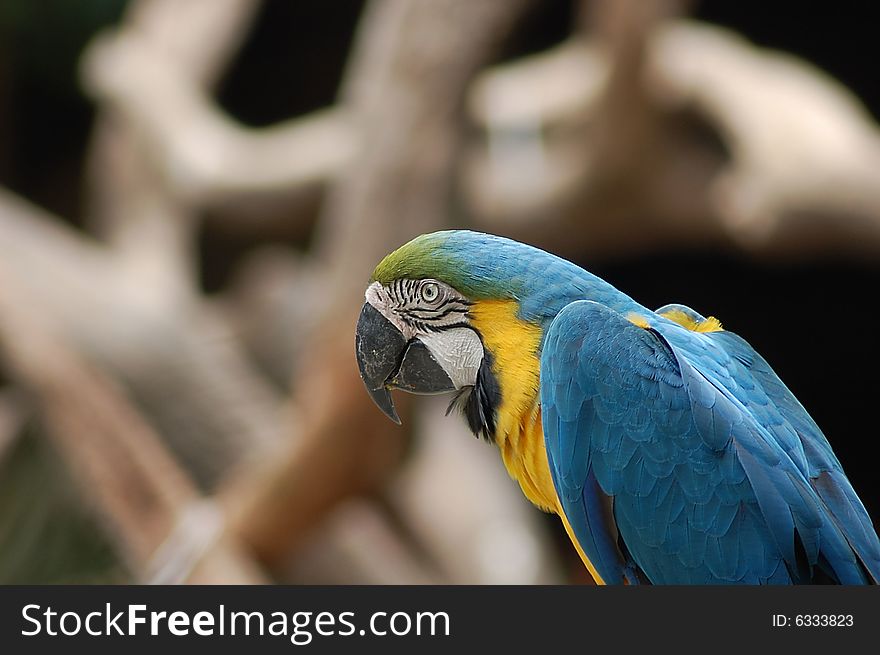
{"x":709,"y":473}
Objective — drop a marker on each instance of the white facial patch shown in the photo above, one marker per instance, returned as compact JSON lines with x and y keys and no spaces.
{"x":459,"y":351}
{"x":378,"y":297}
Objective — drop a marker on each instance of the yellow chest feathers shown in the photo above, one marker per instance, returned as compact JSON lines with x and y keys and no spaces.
{"x":514,"y":346}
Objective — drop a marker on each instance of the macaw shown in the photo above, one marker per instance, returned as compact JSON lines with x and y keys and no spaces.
{"x":669,"y":448}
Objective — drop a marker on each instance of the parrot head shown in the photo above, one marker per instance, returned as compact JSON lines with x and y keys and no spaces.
{"x":416,"y":331}
{"x":466,"y":312}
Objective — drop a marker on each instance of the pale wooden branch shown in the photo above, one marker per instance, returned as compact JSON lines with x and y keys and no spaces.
{"x":155,"y":75}
{"x":205,"y":155}
{"x":803,"y":152}
{"x":131,"y":206}
{"x":626,"y":122}
{"x":122,"y":467}
{"x":801,"y":143}
{"x":180,"y":363}
{"x":200,"y":35}
{"x":410,"y":68}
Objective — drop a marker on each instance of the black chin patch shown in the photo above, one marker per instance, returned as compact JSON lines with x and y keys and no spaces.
{"x":480,"y":402}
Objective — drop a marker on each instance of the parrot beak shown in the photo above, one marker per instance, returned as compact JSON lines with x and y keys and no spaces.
{"x":386,"y":361}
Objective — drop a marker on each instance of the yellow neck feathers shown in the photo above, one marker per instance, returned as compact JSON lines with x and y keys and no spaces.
{"x":519,"y":435}
{"x":514,"y":347}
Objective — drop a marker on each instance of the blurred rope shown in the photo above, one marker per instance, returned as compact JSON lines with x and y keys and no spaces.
{"x":196,"y":532}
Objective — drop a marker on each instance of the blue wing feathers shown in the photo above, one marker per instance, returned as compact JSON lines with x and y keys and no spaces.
{"x":717,"y":473}
{"x":807,"y":446}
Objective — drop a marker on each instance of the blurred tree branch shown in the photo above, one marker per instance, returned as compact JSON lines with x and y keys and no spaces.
{"x":179,"y":362}
{"x":735,"y":144}
{"x":140,"y":491}
{"x":148,"y":225}
{"x":405,"y":87}
{"x":205,"y":156}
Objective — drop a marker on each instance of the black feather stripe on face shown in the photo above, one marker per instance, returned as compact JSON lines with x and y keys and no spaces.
{"x":479,"y":403}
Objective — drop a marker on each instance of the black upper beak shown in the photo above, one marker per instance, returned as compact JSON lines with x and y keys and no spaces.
{"x":379,"y":347}
{"x":386,"y":360}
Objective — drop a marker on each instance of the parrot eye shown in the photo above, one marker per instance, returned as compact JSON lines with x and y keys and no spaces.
{"x":430,"y":291}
